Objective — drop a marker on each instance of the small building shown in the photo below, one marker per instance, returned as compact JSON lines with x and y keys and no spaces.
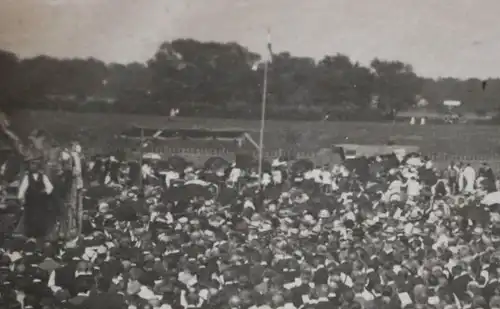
{"x":196,"y":143}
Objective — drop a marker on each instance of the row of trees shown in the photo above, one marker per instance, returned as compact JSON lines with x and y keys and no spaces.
{"x":224,"y":80}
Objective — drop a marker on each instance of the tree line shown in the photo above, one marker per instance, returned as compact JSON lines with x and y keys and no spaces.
{"x":213,"y":79}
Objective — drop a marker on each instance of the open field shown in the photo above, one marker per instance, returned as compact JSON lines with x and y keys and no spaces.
{"x":467,"y":142}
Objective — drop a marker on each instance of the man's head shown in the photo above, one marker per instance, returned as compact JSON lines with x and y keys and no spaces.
{"x":75,"y":146}
{"x":35,"y":164}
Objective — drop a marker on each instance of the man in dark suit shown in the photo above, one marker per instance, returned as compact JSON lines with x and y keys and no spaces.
{"x":492,"y":285}
{"x":33,"y":193}
{"x":83,"y":286}
{"x":460,"y":281}
{"x":103,"y":298}
{"x":64,"y":277}
{"x":299,"y":291}
{"x":323,"y":301}
{"x":320,"y":273}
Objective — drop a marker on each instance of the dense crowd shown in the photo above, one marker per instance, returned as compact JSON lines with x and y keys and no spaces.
{"x":403,"y":235}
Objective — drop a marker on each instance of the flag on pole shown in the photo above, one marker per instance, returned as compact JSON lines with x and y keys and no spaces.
{"x":269,"y":52}
{"x":268,"y":56}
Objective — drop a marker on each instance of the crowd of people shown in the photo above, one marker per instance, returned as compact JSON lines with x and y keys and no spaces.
{"x":399,"y":235}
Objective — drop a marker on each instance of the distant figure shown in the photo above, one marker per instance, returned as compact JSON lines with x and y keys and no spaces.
{"x":422,"y":121}
{"x":412,"y":121}
{"x":174,"y":112}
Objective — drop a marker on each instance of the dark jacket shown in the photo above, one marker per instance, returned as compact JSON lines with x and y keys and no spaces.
{"x":105,"y":300}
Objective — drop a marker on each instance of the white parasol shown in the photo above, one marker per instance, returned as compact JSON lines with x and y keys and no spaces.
{"x":491,"y":199}
{"x":197,"y":182}
{"x":151,"y":156}
{"x":414,"y":162}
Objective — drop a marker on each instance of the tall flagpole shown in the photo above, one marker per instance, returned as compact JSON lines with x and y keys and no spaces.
{"x":263,"y":110}
{"x":141,"y":160}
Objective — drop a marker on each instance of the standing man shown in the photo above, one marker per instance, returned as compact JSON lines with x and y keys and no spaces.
{"x":76,"y":156}
{"x":452,"y":174}
{"x":69,"y":189}
{"x":469,"y":178}
{"x":33,"y":194}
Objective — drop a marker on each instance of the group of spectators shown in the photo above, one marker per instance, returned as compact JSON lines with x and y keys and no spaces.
{"x":401,"y":236}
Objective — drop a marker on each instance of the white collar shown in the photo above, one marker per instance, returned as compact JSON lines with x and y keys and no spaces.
{"x":82,"y":273}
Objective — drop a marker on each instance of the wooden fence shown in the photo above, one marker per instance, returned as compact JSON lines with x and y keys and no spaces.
{"x":200,"y":155}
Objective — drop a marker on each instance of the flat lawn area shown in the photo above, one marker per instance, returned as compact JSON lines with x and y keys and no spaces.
{"x":474,"y":142}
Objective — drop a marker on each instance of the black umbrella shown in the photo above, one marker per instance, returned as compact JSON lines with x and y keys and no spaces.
{"x":199,"y":188}
{"x":302,"y":166}
{"x":163,"y":165}
{"x":266,"y":166}
{"x":192,"y":189}
{"x":216,"y":163}
{"x":177,"y":163}
{"x":244,"y":161}
{"x":227,"y":195}
{"x":101,"y":192}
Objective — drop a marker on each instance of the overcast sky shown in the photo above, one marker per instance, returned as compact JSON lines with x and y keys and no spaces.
{"x":458,"y":38}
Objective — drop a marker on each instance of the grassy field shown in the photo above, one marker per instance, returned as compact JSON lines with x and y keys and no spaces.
{"x":447,"y":141}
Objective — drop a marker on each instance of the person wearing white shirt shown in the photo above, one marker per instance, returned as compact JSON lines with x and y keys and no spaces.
{"x":326,"y":180}
{"x":344,"y":171}
{"x":316,"y":175}
{"x":396,"y":186}
{"x":76,"y":155}
{"x":413,"y":188}
{"x":277,"y":177}
{"x":394,"y":191}
{"x":469,"y":178}
{"x":170,"y":176}
{"x":266,"y":179}
{"x":308,"y":175}
{"x":336,"y":170}
{"x":147,"y":173}
{"x":33,"y":193}
{"x":334,"y":185}
{"x":234,"y":176}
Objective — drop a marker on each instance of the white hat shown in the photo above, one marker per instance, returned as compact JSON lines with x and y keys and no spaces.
{"x":416,"y":231}
{"x":265,"y":227}
{"x":101,"y":250}
{"x":337,"y":225}
{"x":103,"y":207}
{"x":324,"y":214}
{"x":309,"y":218}
{"x":304,"y":233}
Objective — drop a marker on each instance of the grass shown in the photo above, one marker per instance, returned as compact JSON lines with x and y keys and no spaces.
{"x":474,"y":142}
